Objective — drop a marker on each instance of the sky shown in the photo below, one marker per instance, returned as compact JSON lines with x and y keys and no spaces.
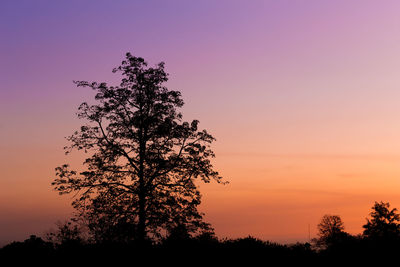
{"x":302,"y":96}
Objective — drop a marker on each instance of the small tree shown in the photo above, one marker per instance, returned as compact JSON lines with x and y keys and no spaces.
{"x":330,"y":231}
{"x":68,"y":234}
{"x":143,"y":159}
{"x":384,"y":222}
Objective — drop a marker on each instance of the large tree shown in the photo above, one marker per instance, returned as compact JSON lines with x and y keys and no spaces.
{"x":143,"y":159}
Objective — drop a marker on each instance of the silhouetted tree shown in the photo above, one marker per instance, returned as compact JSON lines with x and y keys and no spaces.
{"x":384,"y":222}
{"x":67,"y":234}
{"x":330,"y":231}
{"x":143,"y":159}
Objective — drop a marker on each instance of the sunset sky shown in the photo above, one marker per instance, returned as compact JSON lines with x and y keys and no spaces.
{"x":302,"y":96}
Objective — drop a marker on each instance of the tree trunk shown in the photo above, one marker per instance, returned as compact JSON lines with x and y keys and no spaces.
{"x":142,"y":220}
{"x":142,"y":194}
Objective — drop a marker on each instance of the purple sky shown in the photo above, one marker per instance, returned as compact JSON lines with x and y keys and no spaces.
{"x":302,"y":96}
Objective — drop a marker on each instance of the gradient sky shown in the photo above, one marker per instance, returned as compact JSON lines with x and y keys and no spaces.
{"x":302,"y":96}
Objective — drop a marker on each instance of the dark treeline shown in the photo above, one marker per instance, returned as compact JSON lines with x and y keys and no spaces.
{"x":138,"y":195}
{"x":380,"y":241}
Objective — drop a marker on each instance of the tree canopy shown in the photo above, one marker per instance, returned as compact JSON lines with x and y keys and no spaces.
{"x":143,"y":159}
{"x":330,"y":231}
{"x":384,"y":222}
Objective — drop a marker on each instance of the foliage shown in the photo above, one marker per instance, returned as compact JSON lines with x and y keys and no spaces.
{"x":384,"y":222}
{"x":67,"y":234}
{"x":330,"y":231}
{"x":143,"y":159}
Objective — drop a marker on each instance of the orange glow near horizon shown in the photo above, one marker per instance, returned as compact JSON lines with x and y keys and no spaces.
{"x":303,"y":99}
